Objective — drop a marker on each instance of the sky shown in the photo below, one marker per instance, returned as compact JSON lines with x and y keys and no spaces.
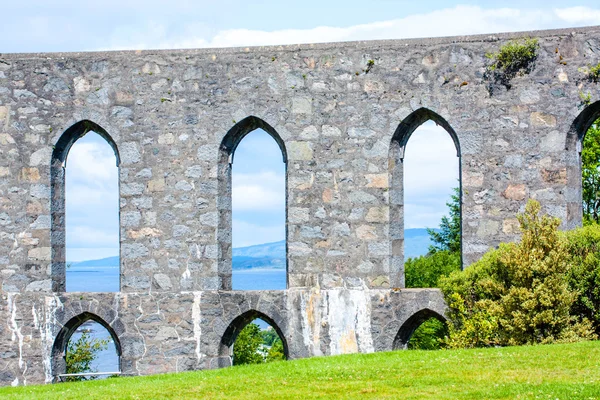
{"x":63,"y":25}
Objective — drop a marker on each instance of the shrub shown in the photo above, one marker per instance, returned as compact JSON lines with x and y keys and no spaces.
{"x":517,"y":294}
{"x":516,"y":57}
{"x":594,"y":73}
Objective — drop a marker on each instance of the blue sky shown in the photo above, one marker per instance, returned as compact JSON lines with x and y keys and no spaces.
{"x":61,"y":25}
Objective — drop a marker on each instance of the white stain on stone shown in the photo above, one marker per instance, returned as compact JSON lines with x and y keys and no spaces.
{"x":52,"y":306}
{"x":196,"y":318}
{"x":349,"y":321}
{"x":16,"y":334}
{"x":311,"y":306}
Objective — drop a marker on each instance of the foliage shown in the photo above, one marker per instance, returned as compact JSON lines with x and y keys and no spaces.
{"x":594,"y":73}
{"x":516,"y":57}
{"x":256,"y":346}
{"x":81,"y":354}
{"x":269,"y":336}
{"x":590,"y":172}
{"x":448,"y":237}
{"x":429,"y":335}
{"x":583,"y":245}
{"x":425,"y":271}
{"x":518,"y":293}
{"x":247,"y":345}
{"x":276,"y":352}
{"x":565,"y":371}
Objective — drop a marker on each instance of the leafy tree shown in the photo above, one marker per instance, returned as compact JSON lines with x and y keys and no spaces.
{"x":269,"y":336}
{"x":276,"y":352}
{"x":81,"y":354}
{"x":590,"y":171}
{"x":425,"y":271}
{"x":246,"y":349}
{"x":583,"y":246}
{"x":448,"y":237}
{"x":517,"y":294}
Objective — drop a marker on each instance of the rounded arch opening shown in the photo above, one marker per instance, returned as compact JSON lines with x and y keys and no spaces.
{"x":74,"y":327}
{"x":236,"y":216}
{"x":398,"y":215}
{"x":238,"y":325}
{"x":579,"y":169}
{"x":93,"y":201}
{"x":408,"y":329}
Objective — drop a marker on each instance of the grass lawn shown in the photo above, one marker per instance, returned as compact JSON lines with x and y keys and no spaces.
{"x":570,"y":371}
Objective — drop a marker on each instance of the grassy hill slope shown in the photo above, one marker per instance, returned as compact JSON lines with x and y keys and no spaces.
{"x":553,"y":371}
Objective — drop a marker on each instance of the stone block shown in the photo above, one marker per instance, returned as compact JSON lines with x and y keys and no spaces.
{"x":515,"y":192}
{"x":300,"y":151}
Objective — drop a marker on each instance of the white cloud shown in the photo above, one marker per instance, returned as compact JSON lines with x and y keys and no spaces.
{"x":458,"y":20}
{"x":248,"y":234}
{"x":92,"y":199}
{"x":579,"y":15}
{"x":430,"y":172}
{"x":261,"y":191}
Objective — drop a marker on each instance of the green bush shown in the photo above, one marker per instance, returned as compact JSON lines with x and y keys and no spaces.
{"x":594,"y":73}
{"x":276,"y":352}
{"x":517,"y":294}
{"x":516,"y":57}
{"x":583,"y":246}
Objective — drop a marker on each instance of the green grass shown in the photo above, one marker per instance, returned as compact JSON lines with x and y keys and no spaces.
{"x":535,"y":372}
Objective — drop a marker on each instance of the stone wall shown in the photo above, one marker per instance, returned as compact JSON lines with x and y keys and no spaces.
{"x":341,"y":113}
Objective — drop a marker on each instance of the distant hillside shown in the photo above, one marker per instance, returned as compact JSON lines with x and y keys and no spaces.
{"x":103,"y":262}
{"x":268,"y":255}
{"x":272,"y":255}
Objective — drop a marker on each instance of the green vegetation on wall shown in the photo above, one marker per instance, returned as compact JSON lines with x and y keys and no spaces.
{"x":514,"y":58}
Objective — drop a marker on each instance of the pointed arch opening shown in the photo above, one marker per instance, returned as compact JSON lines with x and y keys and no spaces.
{"x":583,"y":167}
{"x":86,"y":344}
{"x":252,"y":206}
{"x":409,"y":335}
{"x":85,"y":210}
{"x":252,"y":338}
{"x":436,"y":190}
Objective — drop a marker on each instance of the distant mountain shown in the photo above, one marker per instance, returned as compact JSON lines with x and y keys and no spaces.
{"x":267,"y":255}
{"x":272,"y":255}
{"x":103,"y":262}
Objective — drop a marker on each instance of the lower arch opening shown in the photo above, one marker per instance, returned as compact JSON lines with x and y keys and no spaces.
{"x":424,"y":330}
{"x":86,"y":348}
{"x":253,"y":338}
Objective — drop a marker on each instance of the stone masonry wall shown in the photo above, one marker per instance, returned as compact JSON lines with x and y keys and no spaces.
{"x":341,"y":114}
